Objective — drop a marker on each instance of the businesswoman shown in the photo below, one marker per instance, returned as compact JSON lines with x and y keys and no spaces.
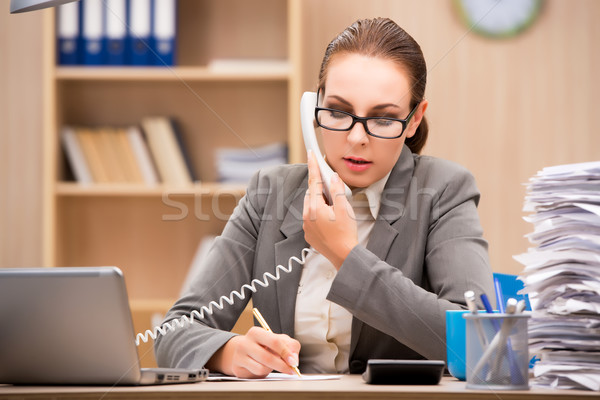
{"x":384,"y":266}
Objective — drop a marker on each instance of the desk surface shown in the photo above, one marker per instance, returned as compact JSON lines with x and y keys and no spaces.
{"x":348,"y":387}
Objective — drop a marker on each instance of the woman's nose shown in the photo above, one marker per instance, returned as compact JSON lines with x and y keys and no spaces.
{"x":358,"y":134}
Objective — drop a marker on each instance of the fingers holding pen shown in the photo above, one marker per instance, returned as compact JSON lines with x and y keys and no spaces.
{"x":278,"y":352}
{"x":256,"y":354}
{"x":235,"y":359}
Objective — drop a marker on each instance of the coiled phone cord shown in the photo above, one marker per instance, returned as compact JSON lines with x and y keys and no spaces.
{"x":241,"y":294}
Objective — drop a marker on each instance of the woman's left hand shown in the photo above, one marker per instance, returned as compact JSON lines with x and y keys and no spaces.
{"x":329,"y":229}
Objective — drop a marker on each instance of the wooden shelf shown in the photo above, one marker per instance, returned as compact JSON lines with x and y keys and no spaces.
{"x":261,"y":71}
{"x":73,"y":189}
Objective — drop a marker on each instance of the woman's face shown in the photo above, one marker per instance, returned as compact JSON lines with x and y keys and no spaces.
{"x":366,"y":87}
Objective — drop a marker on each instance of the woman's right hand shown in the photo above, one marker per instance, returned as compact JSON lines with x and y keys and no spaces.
{"x":256,"y":354}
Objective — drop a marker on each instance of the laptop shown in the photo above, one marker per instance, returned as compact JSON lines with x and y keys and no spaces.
{"x":72,"y":326}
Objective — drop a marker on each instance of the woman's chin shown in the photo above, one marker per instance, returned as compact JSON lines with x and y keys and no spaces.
{"x":354,"y":183}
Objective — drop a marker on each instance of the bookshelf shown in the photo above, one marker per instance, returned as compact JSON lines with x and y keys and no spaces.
{"x":234,"y":85}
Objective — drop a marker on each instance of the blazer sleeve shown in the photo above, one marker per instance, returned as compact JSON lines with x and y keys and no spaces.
{"x":454,"y":259}
{"x":227,"y":267}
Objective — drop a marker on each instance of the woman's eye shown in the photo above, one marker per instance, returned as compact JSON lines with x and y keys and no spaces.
{"x":383,"y":122}
{"x":337,"y":114}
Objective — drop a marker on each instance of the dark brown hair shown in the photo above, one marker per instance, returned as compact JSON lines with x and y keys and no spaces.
{"x":383,"y":38}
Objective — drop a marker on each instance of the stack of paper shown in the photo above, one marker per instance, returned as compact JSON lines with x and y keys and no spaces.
{"x":236,"y":165}
{"x":562,"y":275}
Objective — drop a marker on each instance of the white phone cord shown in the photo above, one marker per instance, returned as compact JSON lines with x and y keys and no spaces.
{"x":182,"y":321}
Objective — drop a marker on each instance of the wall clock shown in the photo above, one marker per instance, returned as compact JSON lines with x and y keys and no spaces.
{"x":498,"y":18}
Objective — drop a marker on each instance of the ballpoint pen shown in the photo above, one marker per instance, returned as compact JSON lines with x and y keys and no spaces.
{"x":511,"y":308}
{"x":499,"y":296}
{"x":470,"y":300}
{"x":486,"y":303}
{"x":266,"y":327}
{"x":488,"y":308}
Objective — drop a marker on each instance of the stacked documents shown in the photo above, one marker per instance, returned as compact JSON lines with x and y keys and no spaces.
{"x":236,"y":165}
{"x":562,"y":275}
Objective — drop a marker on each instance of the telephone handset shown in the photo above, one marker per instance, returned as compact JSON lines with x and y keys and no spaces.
{"x":307,"y":118}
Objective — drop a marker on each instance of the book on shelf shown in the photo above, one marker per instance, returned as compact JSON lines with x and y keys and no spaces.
{"x":67,"y":34}
{"x":167,"y":151}
{"x":164,"y":32}
{"x":126,"y":154}
{"x":139,"y":31}
{"x":75,"y":156}
{"x":105,"y":140}
{"x":183,"y":148}
{"x":87,"y":139}
{"x":142,"y":155}
{"x":92,"y":32}
{"x":117,"y":32}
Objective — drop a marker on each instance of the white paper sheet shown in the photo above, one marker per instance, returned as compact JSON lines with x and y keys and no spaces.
{"x":276,"y":376}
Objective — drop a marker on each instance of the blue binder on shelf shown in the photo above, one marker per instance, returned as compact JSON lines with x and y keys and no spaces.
{"x":67,"y":34}
{"x":140,"y":32}
{"x":164,"y":26}
{"x":92,"y":32}
{"x":115,"y":12}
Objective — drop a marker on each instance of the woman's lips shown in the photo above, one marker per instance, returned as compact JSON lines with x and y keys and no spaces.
{"x":357,"y":164}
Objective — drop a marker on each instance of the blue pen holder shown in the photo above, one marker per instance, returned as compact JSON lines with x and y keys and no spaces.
{"x":497,"y":351}
{"x":456,"y":353}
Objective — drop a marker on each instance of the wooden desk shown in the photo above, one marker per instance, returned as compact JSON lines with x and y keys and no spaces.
{"x":348,"y":387}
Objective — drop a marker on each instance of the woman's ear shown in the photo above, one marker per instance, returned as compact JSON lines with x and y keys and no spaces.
{"x":416,"y":119}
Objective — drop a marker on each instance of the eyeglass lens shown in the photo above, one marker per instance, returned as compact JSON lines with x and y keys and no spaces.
{"x":331,"y":119}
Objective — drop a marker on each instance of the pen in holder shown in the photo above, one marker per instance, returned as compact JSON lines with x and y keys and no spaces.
{"x":501,"y":361}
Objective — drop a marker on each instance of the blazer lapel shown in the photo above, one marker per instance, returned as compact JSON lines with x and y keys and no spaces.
{"x":393,"y":201}
{"x":291,"y":246}
{"x":393,"y":197}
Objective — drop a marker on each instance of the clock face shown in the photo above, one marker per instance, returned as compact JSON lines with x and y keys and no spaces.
{"x":498,"y":18}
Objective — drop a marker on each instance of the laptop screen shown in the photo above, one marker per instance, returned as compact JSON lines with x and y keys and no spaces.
{"x":66,"y":326}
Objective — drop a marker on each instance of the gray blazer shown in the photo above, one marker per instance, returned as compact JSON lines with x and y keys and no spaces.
{"x":426,"y":249}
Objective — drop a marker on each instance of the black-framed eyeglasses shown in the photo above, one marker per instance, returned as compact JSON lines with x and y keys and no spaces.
{"x":380,"y":127}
